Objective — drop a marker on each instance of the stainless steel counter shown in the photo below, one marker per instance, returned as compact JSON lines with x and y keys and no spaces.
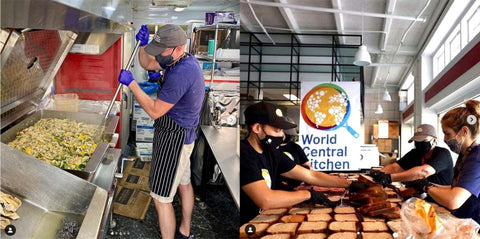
{"x":224,"y":144}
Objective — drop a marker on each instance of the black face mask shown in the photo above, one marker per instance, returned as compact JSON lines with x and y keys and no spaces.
{"x":165,"y":60}
{"x":423,"y":147}
{"x":272,"y":142}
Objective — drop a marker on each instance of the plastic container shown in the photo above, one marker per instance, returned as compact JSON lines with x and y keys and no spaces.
{"x":211,"y":46}
{"x":66,"y":102}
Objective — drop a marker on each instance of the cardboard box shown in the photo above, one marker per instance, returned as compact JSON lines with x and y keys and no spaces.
{"x":141,"y":117}
{"x":144,"y":133}
{"x":133,"y":181}
{"x":384,"y":145}
{"x":131,"y":202}
{"x":388,"y":159}
{"x":375,"y":131}
{"x":144,"y":151}
{"x":393,"y":129}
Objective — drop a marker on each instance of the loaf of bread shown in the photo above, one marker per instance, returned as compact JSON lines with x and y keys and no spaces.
{"x":381,"y":211}
{"x":260,"y":229}
{"x":376,"y":235}
{"x":307,"y":227}
{"x":286,"y":228}
{"x":373,"y":206}
{"x":342,"y":227}
{"x":345,"y":217}
{"x":344,"y":210}
{"x":293,"y":218}
{"x":319,"y":217}
{"x":395,"y":200}
{"x":374,"y":227}
{"x":299,"y":210}
{"x":280,"y":211}
{"x":312,"y":236}
{"x":265,"y":218}
{"x":277,"y":236}
{"x":321,"y":210}
{"x":334,"y":198}
{"x":343,"y":235}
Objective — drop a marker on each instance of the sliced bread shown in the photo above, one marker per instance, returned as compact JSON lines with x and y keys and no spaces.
{"x":342,"y":227}
{"x":344,"y":210}
{"x":280,"y":211}
{"x":293,"y":218}
{"x":374,"y":227}
{"x":321,"y":210}
{"x":312,"y":236}
{"x":260,"y":229}
{"x":319,"y":217}
{"x":343,"y":235}
{"x":265,"y":218}
{"x":299,"y":210}
{"x":346,"y":217}
{"x":376,"y":235}
{"x":373,"y":219}
{"x":277,"y":236}
{"x":286,"y":228}
{"x":307,"y":227}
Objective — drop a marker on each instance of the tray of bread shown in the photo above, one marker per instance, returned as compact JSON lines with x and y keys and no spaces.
{"x":370,"y":213}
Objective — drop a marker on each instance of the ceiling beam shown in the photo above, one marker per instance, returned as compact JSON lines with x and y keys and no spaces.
{"x":336,"y":4}
{"x":321,"y":9}
{"x":246,"y":24}
{"x":387,"y":23}
{"x":290,"y":19}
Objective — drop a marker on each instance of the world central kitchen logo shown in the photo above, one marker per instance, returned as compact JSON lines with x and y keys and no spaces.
{"x":332,"y":150}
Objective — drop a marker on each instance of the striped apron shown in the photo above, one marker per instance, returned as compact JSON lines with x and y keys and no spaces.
{"x":168,"y":142}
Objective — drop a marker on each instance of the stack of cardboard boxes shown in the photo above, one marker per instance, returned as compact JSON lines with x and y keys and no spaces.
{"x":144,"y":132}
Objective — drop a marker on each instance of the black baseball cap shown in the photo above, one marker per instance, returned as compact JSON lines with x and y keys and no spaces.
{"x":168,"y":36}
{"x":266,"y":113}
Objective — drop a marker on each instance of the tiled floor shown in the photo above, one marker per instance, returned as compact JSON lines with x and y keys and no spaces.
{"x":216,"y":218}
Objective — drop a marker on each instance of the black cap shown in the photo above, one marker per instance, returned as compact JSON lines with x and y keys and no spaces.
{"x":266,"y":113}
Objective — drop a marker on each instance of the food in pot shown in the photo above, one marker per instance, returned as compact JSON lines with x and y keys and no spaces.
{"x":62,"y":143}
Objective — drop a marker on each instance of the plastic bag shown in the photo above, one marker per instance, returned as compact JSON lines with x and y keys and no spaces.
{"x":420,"y":220}
{"x":224,"y":108}
{"x":149,"y":87}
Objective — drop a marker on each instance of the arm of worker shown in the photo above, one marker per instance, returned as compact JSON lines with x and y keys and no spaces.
{"x":419,"y":172}
{"x":451,"y":198}
{"x":392,"y":168}
{"x":147,"y":61}
{"x":266,"y":198}
{"x":316,"y":178}
{"x":154,"y":108}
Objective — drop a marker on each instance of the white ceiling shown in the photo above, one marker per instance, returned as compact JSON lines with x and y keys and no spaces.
{"x":382,"y":35}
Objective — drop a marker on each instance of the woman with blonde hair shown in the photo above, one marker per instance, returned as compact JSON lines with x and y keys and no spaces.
{"x":461,"y":128}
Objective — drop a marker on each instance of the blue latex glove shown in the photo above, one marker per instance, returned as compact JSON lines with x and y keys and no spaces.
{"x":125,"y":77}
{"x":154,"y":75}
{"x":142,"y":35}
{"x":148,"y":87}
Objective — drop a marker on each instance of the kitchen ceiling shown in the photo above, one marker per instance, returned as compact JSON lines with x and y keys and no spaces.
{"x":385,"y":23}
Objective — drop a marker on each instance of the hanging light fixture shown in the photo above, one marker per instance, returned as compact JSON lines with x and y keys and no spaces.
{"x":386,"y":96}
{"x":379,"y":109}
{"x":362,"y":57}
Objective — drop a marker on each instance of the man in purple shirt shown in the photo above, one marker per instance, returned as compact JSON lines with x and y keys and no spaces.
{"x":176,"y":112}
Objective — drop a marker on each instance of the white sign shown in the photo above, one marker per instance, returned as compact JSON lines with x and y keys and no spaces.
{"x":330,"y":125}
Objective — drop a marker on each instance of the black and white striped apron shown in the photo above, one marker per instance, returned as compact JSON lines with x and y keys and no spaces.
{"x":168,"y":142}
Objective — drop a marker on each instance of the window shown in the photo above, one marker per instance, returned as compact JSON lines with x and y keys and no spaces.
{"x":439,"y":61}
{"x":455,"y":45}
{"x":410,"y":94}
{"x":474,"y":24}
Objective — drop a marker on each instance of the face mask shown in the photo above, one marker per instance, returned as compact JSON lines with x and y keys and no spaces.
{"x":454,"y":145}
{"x":423,"y":147}
{"x":165,"y":60}
{"x":271,"y":141}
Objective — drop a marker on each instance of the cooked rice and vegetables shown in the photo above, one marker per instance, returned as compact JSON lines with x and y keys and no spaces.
{"x":62,"y":143}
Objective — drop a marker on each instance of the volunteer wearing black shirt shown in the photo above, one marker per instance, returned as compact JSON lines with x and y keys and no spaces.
{"x":261,"y":164}
{"x":426,"y":160}
{"x":295,"y":153}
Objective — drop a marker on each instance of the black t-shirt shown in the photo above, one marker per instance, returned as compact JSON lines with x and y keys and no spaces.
{"x":441,"y":161}
{"x":297,"y":155}
{"x":254,"y":167}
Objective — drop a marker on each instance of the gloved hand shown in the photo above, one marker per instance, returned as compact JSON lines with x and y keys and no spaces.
{"x":319,"y":198}
{"x":421,"y":185}
{"x":381,"y":177}
{"x":143,"y":35}
{"x":356,"y":186}
{"x":154,"y":75}
{"x":125,"y":77}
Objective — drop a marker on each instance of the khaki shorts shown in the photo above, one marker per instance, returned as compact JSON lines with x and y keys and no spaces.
{"x":182,"y":175}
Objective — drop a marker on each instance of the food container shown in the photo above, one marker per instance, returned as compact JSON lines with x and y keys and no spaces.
{"x":66,"y":102}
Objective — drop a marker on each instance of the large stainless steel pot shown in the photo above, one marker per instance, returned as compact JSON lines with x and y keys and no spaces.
{"x":88,"y":172}
{"x":49,"y":196}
